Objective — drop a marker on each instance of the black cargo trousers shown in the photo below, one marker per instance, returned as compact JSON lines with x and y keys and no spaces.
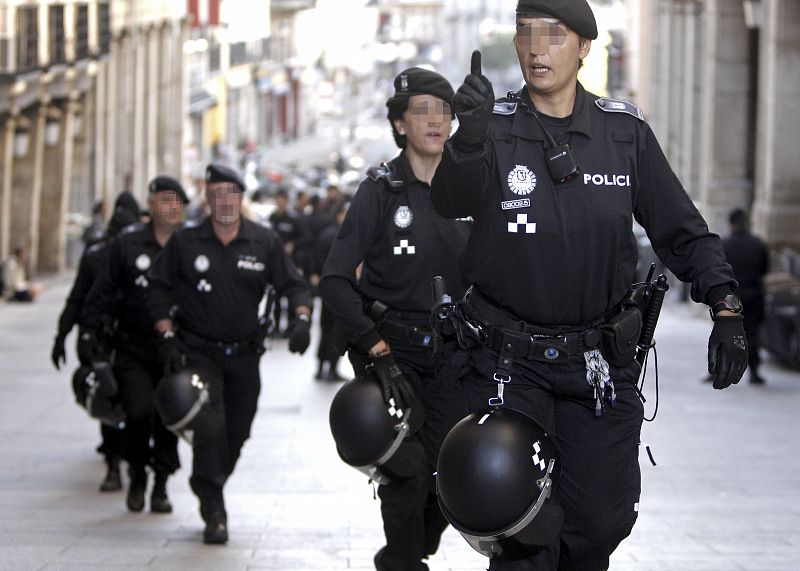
{"x":234,"y":383}
{"x":138,"y":371}
{"x":412,"y":520}
{"x":600,"y":480}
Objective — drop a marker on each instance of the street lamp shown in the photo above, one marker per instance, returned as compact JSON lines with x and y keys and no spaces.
{"x":52,"y":131}
{"x":22,"y":140}
{"x":752,"y":13}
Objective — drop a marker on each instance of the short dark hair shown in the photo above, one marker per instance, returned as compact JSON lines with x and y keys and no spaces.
{"x":397,"y":106}
{"x":738,"y":218}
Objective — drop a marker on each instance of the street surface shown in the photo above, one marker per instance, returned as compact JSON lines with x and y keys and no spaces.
{"x":724,"y":496}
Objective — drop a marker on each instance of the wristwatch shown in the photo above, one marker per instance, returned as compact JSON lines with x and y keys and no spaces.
{"x":730,"y":302}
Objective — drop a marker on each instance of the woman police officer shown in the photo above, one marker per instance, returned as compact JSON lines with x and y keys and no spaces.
{"x":558,"y":175}
{"x":384,"y":312}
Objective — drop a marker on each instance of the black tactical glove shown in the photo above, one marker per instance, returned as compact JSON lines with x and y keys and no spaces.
{"x":727,"y":351}
{"x":170,"y":353}
{"x":473,"y":104}
{"x":394,"y":383}
{"x":58,"y":355}
{"x":88,"y":346}
{"x":299,"y":334}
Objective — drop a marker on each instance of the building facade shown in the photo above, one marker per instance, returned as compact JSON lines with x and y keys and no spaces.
{"x":717,"y":80}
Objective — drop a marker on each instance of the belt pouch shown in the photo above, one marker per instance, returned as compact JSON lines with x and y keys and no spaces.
{"x":619,"y":337}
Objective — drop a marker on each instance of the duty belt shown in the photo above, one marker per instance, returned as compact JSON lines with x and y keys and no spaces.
{"x":516,"y":338}
{"x":416,"y":336}
{"x":226,"y":349}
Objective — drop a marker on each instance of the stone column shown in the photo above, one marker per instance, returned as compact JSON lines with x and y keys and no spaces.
{"x":51,"y":219}
{"x":777,"y":185}
{"x":7,"y":162}
{"x":37,"y":185}
{"x":724,"y":180}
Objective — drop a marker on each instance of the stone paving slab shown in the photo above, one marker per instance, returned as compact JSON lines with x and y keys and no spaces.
{"x":724,"y":495}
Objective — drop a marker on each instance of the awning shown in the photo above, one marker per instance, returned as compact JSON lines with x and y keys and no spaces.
{"x":200,"y":100}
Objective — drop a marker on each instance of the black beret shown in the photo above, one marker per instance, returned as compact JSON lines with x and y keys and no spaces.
{"x":576,"y":14}
{"x":418,"y":81}
{"x":216,"y":172}
{"x":164,"y":182}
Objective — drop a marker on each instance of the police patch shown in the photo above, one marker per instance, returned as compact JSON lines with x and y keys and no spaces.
{"x":521,"y":180}
{"x":142,"y":262}
{"x":403,"y":217}
{"x":201,"y":263}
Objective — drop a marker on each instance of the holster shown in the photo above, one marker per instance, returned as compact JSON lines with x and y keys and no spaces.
{"x":620,"y":335}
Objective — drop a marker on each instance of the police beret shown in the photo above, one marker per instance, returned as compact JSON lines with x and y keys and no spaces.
{"x":418,"y":81}
{"x":164,"y":182}
{"x":216,"y":172}
{"x":576,"y":14}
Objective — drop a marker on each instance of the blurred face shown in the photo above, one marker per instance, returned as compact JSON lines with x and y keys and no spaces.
{"x":225,"y":202}
{"x":166,"y":208}
{"x":281,"y":202}
{"x":426,"y":124}
{"x":549,"y":54}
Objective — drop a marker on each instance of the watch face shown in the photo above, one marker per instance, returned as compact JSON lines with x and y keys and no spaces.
{"x":734,"y":303}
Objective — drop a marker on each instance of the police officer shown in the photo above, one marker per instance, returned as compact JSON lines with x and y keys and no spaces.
{"x":93,"y":260}
{"x":216,"y":272}
{"x":392,"y":228}
{"x":120,"y":295}
{"x":554,"y":177}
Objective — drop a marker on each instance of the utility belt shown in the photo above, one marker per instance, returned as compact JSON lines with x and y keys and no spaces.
{"x":615,"y":335}
{"x":413,"y":335}
{"x":400,"y":324}
{"x":221,"y":348}
{"x":499,"y":330}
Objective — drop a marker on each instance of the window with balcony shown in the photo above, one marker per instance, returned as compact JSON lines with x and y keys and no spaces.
{"x":103,"y":27}
{"x":27,"y":38}
{"x":81,"y":31}
{"x":56,"y":23}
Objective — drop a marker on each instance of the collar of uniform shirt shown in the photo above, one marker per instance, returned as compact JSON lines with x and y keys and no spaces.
{"x":581,"y":118}
{"x":207,"y":229}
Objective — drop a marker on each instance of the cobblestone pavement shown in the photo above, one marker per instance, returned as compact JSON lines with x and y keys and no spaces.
{"x":725,"y":494}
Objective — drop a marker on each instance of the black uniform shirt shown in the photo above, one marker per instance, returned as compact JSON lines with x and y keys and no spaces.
{"x":286,"y":225}
{"x":403,"y":243}
{"x":124,"y":288}
{"x":90,"y":267}
{"x":565,"y":254}
{"x":218,"y":288}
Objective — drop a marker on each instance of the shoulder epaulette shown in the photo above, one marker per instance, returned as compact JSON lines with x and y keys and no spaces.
{"x":96,"y":247}
{"x":619,"y":106}
{"x":504,"y":107}
{"x":384,"y":172}
{"x":132,"y":228}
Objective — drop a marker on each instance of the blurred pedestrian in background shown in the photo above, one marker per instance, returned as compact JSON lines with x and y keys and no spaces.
{"x":749,"y":257}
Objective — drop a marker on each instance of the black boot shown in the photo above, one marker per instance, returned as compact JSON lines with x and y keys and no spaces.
{"x":159,"y":502}
{"x":136,"y":488}
{"x":212,"y":509}
{"x":112,"y":481}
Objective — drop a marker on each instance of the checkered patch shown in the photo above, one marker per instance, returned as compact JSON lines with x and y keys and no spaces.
{"x":404,"y":248}
{"x":394,"y":411}
{"x":522,"y":225}
{"x":537,"y":447}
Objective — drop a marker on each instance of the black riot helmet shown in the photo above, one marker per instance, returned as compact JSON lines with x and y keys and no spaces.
{"x":79,"y":386}
{"x":496,"y":471}
{"x":182,"y":401}
{"x":95,"y":390}
{"x":372,"y":436}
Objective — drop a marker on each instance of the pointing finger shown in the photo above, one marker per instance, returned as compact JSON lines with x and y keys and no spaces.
{"x":475,"y":64}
